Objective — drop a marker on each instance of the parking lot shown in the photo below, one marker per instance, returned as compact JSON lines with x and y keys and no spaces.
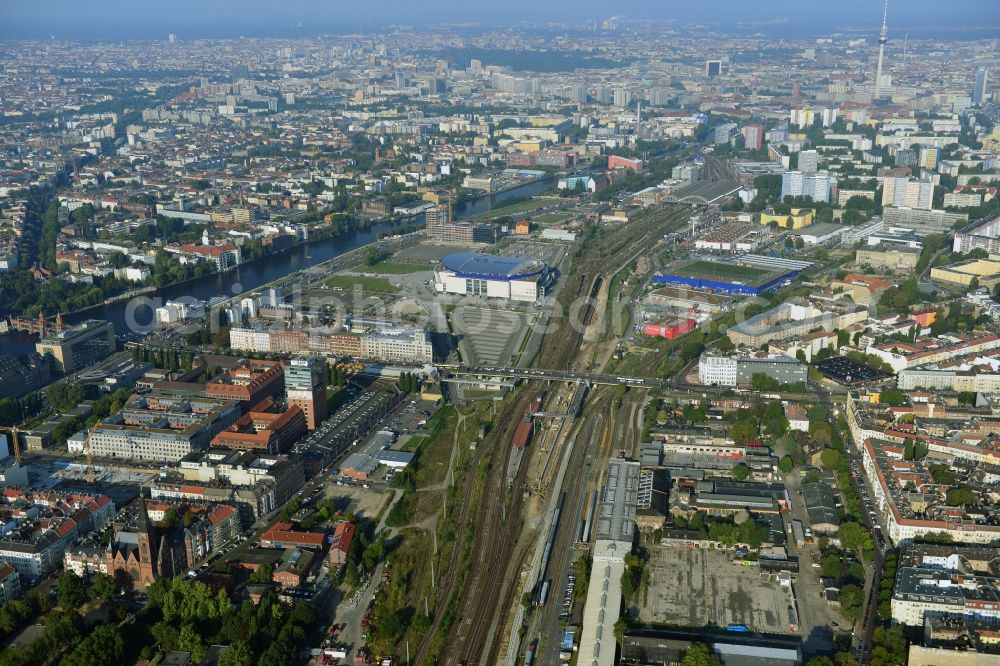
{"x":550,"y":253}
{"x":849,"y":372}
{"x":695,"y":587}
{"x":489,"y":336}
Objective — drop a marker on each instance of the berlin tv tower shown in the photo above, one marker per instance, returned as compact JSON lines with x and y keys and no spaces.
{"x":882,"y":39}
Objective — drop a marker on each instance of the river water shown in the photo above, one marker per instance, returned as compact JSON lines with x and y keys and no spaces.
{"x":252,"y":275}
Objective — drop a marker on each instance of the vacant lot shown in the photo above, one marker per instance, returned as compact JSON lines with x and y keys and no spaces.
{"x":359,"y":501}
{"x":693,"y":587}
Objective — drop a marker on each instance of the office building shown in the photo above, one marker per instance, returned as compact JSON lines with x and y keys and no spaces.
{"x":398,"y":343}
{"x":979,"y":90}
{"x":736,"y":370}
{"x":78,"y":346}
{"x":792,"y":319}
{"x":305,"y":387}
{"x":162,"y":428}
{"x":713,"y":67}
{"x":250,"y":381}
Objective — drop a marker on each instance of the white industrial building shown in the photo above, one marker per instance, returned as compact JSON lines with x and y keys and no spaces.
{"x":491,"y":276}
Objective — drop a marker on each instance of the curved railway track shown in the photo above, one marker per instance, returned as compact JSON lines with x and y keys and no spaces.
{"x":487,"y":591}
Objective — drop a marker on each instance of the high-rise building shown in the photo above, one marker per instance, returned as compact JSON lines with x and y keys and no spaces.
{"x":979,"y":90}
{"x":904,"y":192}
{"x":808,"y":161}
{"x":829,"y":117}
{"x":802,"y":117}
{"x":172,"y":38}
{"x":305,"y":388}
{"x":713,"y":67}
{"x":819,"y":186}
{"x":906,"y":157}
{"x":929,"y":157}
{"x":623,"y":98}
{"x":753,"y":136}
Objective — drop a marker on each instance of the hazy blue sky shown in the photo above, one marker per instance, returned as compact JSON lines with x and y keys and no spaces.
{"x":119,"y":19}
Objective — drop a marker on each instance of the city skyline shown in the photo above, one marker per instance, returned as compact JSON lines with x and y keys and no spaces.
{"x":117,"y":19}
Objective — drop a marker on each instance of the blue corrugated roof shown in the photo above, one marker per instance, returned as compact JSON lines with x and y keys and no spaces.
{"x":494,"y":265}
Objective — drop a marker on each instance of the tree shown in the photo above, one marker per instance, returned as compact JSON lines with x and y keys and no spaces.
{"x":854,"y":536}
{"x":725,"y":344}
{"x":741,"y":472}
{"x":63,"y":397}
{"x":960,"y":496}
{"x":104,"y":645}
{"x":851,"y":598}
{"x":699,"y":655}
{"x":102,"y":586}
{"x":71,"y":591}
{"x":830,"y":458}
{"x":262,"y":574}
{"x":786,"y":465}
{"x":189,"y":640}
{"x":237,"y":654}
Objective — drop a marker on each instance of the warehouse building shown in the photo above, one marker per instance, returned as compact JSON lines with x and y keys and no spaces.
{"x":491,"y":276}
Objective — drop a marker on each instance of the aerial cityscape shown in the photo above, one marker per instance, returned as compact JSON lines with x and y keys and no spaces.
{"x":521,"y":335}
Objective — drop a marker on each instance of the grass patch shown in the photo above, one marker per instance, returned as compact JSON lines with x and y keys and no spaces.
{"x":372,"y":284}
{"x":395,"y":268}
{"x":553,"y":218}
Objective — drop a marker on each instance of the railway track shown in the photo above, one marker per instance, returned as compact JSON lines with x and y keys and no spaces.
{"x":488,"y":590}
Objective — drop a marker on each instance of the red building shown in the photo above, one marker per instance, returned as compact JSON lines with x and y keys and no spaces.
{"x":671,"y":328}
{"x":281,"y":535}
{"x":249,"y":382}
{"x":263,"y":429}
{"x":343,"y":536}
{"x":619,"y":162}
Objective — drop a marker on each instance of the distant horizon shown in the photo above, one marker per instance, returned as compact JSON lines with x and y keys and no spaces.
{"x":117,"y":20}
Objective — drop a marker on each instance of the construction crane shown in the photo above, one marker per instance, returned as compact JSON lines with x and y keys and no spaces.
{"x":90,"y":461}
{"x":15,"y":441}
